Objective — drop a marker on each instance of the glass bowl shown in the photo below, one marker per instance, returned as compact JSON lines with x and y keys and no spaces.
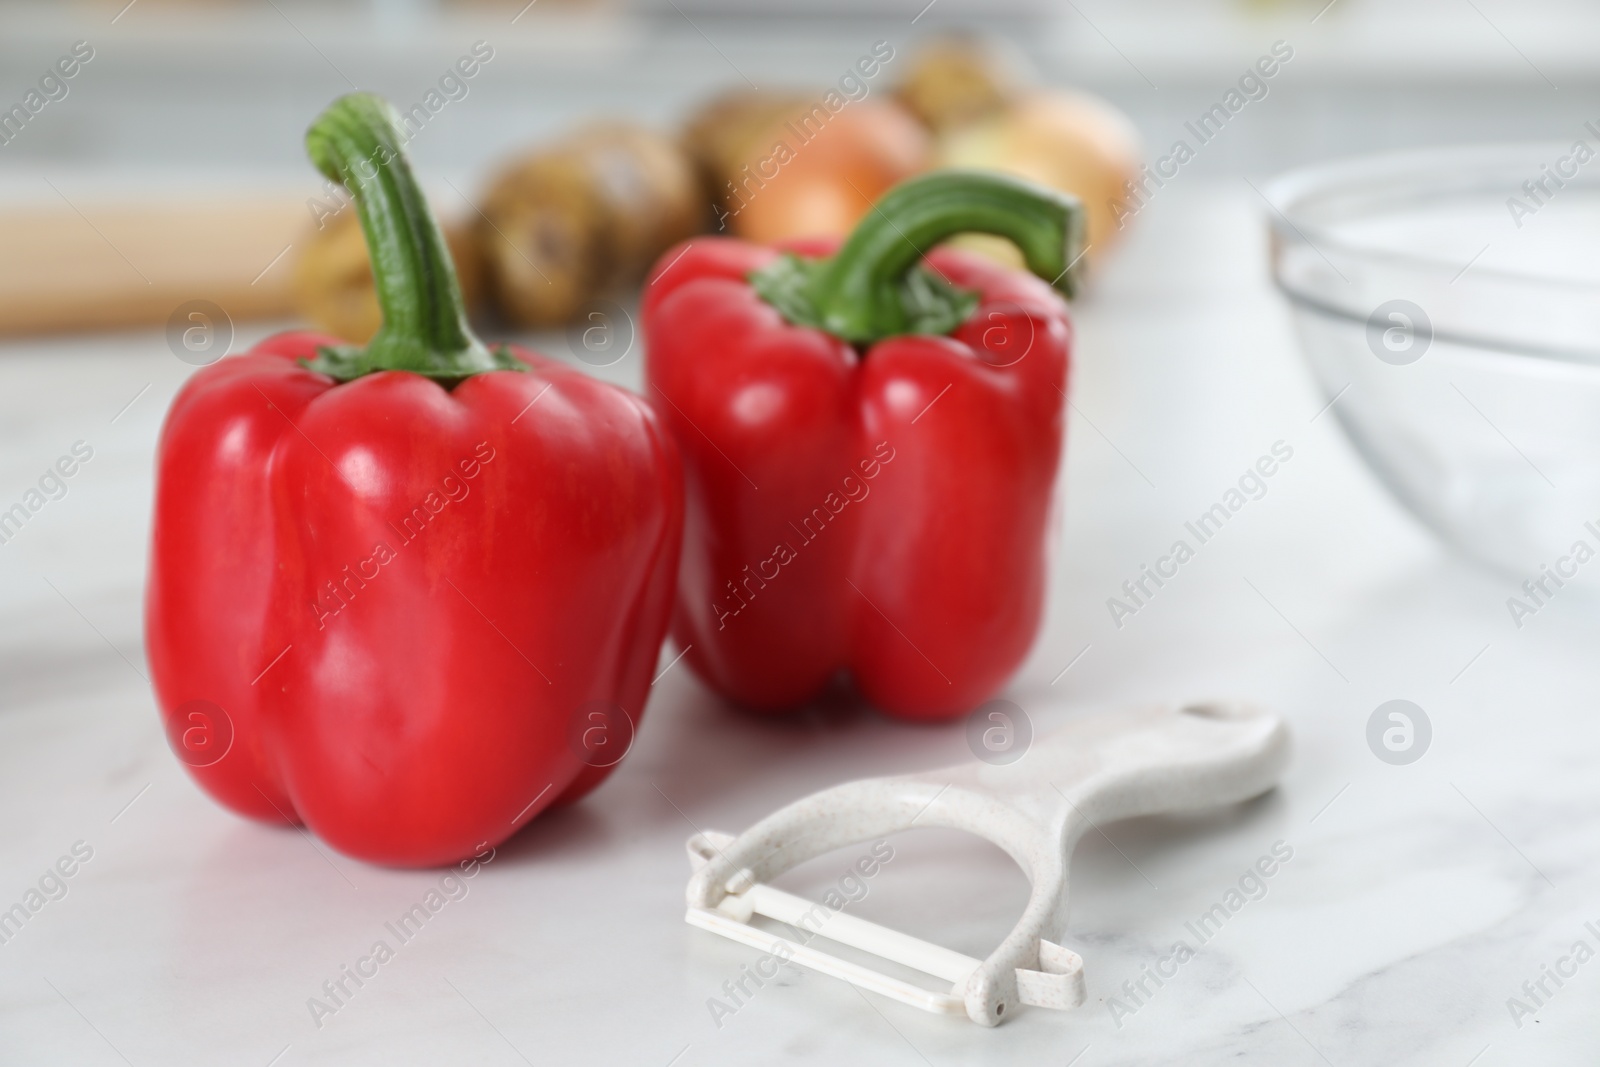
{"x":1448,"y":302}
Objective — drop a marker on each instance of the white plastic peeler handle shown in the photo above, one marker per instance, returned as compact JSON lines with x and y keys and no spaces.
{"x":1094,"y":771}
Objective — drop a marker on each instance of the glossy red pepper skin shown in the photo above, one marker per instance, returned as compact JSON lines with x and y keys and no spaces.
{"x":406,"y":600}
{"x":929,"y":588}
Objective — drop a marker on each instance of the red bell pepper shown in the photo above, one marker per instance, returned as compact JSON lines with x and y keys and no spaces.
{"x":870,"y":442}
{"x":411,"y":594}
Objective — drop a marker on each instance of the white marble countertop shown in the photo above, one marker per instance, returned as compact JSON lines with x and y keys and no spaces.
{"x":1418,"y":898}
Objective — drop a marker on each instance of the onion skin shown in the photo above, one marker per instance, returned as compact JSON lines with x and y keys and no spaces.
{"x":788,"y":180}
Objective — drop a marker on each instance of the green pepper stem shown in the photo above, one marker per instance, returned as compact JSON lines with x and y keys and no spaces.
{"x":859,"y":295}
{"x":357,"y":141}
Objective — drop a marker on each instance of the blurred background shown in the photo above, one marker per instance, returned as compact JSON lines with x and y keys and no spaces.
{"x":231,"y":85}
{"x":180,"y":139}
{"x":203,"y":106}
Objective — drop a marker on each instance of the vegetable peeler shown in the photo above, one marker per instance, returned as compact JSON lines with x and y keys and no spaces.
{"x":1096,"y":770}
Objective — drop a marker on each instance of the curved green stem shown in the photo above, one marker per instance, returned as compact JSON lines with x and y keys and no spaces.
{"x":873,"y":286}
{"x":357,"y":141}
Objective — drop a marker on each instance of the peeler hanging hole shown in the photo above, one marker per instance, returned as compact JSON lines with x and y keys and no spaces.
{"x":1215,"y":710}
{"x":999,"y":1009}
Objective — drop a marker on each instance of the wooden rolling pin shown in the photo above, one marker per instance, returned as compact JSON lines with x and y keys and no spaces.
{"x":97,"y":266}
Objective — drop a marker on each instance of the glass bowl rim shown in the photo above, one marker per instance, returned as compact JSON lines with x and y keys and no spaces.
{"x":1288,"y":190}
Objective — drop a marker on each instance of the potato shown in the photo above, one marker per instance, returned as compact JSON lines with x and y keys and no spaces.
{"x":566,"y":223}
{"x":333,"y":286}
{"x":959,"y":78}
